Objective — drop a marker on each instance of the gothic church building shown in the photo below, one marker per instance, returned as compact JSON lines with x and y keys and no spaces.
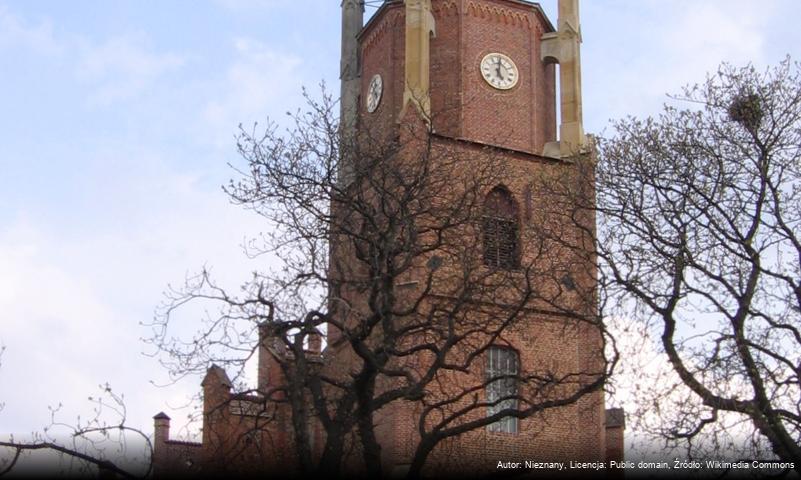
{"x":480,"y":78}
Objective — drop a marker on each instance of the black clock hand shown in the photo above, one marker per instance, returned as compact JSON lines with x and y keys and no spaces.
{"x":498,"y":68}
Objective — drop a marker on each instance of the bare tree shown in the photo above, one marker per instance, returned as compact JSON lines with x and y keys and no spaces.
{"x":103,"y":442}
{"x":412,"y":270}
{"x":700,"y":216}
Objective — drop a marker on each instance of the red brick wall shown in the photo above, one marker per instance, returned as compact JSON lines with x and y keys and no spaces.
{"x":383,"y":49}
{"x":463,"y":104}
{"x":522,"y":120}
{"x":544,"y":342}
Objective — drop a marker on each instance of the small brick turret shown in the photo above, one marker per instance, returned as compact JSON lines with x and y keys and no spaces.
{"x":269,"y":372}
{"x":171,"y":457}
{"x":161,"y":426}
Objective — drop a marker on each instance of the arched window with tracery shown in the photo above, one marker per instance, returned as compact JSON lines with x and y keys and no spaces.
{"x":500,"y":227}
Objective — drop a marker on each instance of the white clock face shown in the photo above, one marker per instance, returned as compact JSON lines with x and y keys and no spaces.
{"x":374,"y":92}
{"x":499,"y":71}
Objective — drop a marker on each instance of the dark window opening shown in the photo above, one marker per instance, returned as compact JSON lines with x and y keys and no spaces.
{"x":500,"y":230}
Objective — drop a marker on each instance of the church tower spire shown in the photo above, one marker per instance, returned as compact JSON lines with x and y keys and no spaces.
{"x":564,"y":48}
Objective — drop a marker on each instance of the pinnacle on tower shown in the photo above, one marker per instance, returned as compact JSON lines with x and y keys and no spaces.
{"x":564,"y":47}
{"x":420,"y":26}
{"x":350,"y":76}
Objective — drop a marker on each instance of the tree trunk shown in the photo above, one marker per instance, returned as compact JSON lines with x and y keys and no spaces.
{"x":421,"y":454}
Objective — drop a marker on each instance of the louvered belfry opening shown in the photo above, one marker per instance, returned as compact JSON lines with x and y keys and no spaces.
{"x":500,"y":230}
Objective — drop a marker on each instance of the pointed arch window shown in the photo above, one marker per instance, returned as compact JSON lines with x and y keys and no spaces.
{"x":500,"y":230}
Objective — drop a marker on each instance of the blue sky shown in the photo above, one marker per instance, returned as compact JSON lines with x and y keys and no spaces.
{"x":117,"y":121}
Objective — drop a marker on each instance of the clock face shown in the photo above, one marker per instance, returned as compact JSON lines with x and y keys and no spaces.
{"x":499,"y":71}
{"x":374,"y":92}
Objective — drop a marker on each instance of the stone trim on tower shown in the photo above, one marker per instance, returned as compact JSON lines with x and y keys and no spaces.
{"x":564,"y":47}
{"x":420,"y":27}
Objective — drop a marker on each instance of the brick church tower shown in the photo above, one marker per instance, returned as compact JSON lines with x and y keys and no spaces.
{"x":481,"y":75}
{"x":501,"y":295}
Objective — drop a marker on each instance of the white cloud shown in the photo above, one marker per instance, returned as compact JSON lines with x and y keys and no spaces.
{"x":54,"y":327}
{"x":706,"y":34}
{"x":123,"y":67}
{"x":71,"y":304}
{"x":15,"y":33}
{"x":117,"y":68}
{"x":260,"y":82}
{"x":653,"y":48}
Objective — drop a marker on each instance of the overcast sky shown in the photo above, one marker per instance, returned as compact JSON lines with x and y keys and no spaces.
{"x":117,"y":121}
